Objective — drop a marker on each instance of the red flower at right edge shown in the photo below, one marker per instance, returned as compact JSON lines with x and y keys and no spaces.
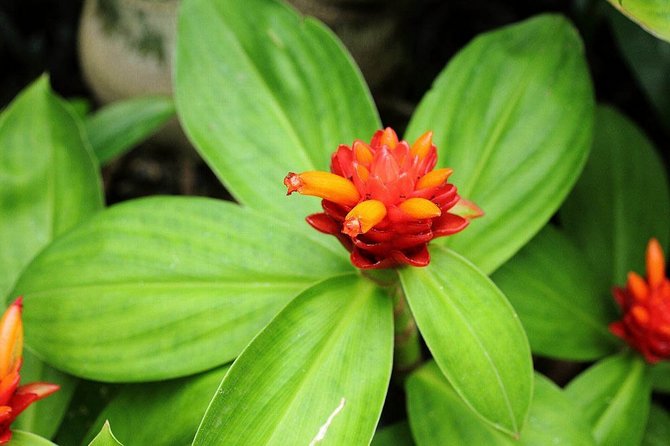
{"x":15,"y":399}
{"x":646,"y":308}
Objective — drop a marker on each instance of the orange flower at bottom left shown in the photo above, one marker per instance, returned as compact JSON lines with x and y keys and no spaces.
{"x":14,"y":399}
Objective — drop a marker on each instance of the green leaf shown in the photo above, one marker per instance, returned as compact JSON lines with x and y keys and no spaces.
{"x":317,"y":374}
{"x":438,"y":416}
{"x":397,"y":434}
{"x":551,"y":286}
{"x":614,"y":395}
{"x":48,"y":178}
{"x":262,"y":91}
{"x":165,"y":287}
{"x":140,"y":411}
{"x":660,"y":375}
{"x":620,"y":201}
{"x":45,"y":417}
{"x":118,"y":127}
{"x":658,"y":427}
{"x":652,"y":15}
{"x":105,"y":437}
{"x":512,"y":115}
{"x":20,"y":438}
{"x":474,"y":335}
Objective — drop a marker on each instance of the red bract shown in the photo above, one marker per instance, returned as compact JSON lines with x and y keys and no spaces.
{"x":384,"y":201}
{"x":15,"y":399}
{"x":646,"y":308}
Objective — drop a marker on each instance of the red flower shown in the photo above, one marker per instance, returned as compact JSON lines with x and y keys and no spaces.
{"x":15,"y":399}
{"x":646,"y":308}
{"x":384,"y":201}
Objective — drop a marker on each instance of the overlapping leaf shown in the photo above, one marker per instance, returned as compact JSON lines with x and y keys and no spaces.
{"x":474,"y":335}
{"x":262,"y":91}
{"x":652,"y":15}
{"x":164,"y":287}
{"x":512,"y":115}
{"x":20,"y":438}
{"x":317,"y":374}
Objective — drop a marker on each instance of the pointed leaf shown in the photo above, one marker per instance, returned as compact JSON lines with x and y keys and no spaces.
{"x":657,"y":432}
{"x":652,"y":15}
{"x":614,"y":394}
{"x":438,"y":416}
{"x":105,"y":437}
{"x":261,"y":92}
{"x":474,"y":335}
{"x":317,"y":374}
{"x":512,"y":115}
{"x":620,"y":201}
{"x":48,"y":178}
{"x":563,"y":311}
{"x":139,"y":412}
{"x":20,"y":438}
{"x":118,"y":127}
{"x":165,"y":287}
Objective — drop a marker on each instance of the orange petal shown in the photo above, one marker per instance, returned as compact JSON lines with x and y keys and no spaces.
{"x":363,"y":172}
{"x":637,"y":286}
{"x":325,"y":185}
{"x":640,"y":314}
{"x":11,"y":337}
{"x":389,"y":138}
{"x":420,"y":208}
{"x":655,"y":263}
{"x":362,"y":152}
{"x":434,"y":178}
{"x":363,"y":217}
{"x":422,"y":145}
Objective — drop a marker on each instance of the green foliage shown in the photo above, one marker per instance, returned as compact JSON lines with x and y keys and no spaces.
{"x":105,"y":437}
{"x":20,"y":438}
{"x":652,"y":15}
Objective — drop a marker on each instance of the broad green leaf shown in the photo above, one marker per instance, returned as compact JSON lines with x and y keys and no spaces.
{"x":397,"y":434}
{"x":165,"y":287}
{"x":262,"y":91}
{"x":512,"y":114}
{"x":652,"y":15}
{"x":140,"y":412}
{"x":474,"y":335}
{"x":657,"y":432}
{"x":118,"y":127}
{"x":48,"y":178}
{"x":620,"y":201}
{"x":105,"y":437}
{"x":438,"y":416}
{"x":317,"y":374}
{"x":551,"y":286}
{"x":660,"y":375}
{"x":614,"y":395}
{"x":44,"y":418}
{"x":20,"y":438}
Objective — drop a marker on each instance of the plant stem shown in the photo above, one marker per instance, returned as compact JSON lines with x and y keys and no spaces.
{"x":407,"y":351}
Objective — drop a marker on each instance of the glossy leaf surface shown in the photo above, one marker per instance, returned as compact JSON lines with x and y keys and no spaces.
{"x":48,"y":178}
{"x":105,"y":437}
{"x":512,"y":115}
{"x":264,"y":93}
{"x":614,"y":395}
{"x":620,"y":201}
{"x":438,"y":416}
{"x":474,"y":335}
{"x":118,"y":127}
{"x":165,"y":287}
{"x":552,"y":287}
{"x":652,"y":15}
{"x":20,"y":438}
{"x":317,"y":374}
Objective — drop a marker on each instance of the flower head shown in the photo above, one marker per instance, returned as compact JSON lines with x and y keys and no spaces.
{"x":15,"y":399}
{"x":646,"y":308}
{"x":384,"y":201}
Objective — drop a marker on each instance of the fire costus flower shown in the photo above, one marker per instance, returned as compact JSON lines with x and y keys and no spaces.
{"x":15,"y":399}
{"x":646,"y":308}
{"x":384,"y":201}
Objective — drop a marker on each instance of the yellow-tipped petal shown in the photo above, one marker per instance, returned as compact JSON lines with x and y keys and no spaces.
{"x":363,"y":217}
{"x":363,"y":172}
{"x":637,"y":286}
{"x":422,"y":145}
{"x":325,"y":185}
{"x":389,"y":138}
{"x":420,"y":208}
{"x":11,"y":338}
{"x":362,"y":152}
{"x":434,"y":178}
{"x":655,"y":263}
{"x":640,"y":314}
